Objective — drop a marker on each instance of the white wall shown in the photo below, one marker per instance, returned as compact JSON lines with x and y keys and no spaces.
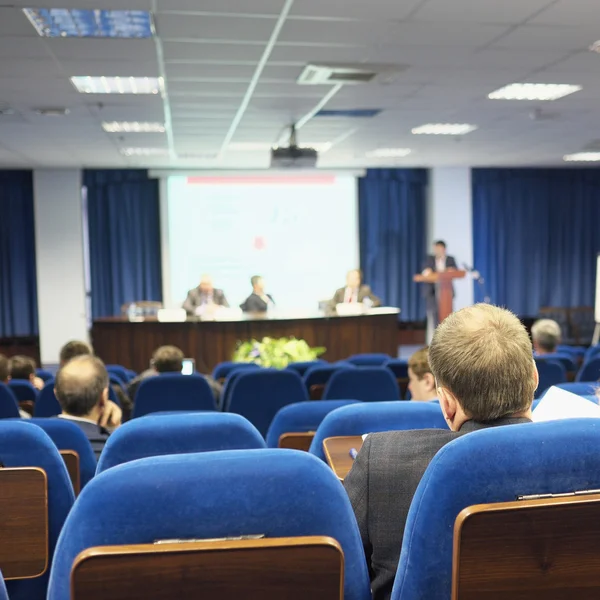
{"x":450,"y":218}
{"x":60,"y":260}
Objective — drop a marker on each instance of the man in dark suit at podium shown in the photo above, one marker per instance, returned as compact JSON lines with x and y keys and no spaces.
{"x":438,"y":262}
{"x":258,"y":301}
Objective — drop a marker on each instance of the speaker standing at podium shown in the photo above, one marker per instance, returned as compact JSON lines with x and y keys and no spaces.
{"x":438,"y":262}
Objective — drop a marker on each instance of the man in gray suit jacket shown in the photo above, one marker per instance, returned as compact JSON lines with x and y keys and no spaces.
{"x":481,"y":358}
{"x":204,"y":295}
{"x":355,"y":291}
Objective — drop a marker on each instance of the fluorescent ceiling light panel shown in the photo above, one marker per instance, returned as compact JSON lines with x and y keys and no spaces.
{"x":117,"y":85}
{"x":133,"y":127}
{"x":534,"y":91}
{"x":582,"y":157}
{"x":389,"y":153}
{"x":144,"y":151}
{"x":257,"y":146}
{"x":444,"y":129}
{"x":71,"y":22}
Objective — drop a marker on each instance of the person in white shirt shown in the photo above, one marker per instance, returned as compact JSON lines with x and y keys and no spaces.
{"x":354,"y":292}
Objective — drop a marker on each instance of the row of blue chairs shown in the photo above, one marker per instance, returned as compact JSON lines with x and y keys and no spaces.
{"x":552,"y":371}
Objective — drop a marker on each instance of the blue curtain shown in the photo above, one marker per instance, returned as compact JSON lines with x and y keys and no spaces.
{"x":392,"y":225}
{"x":18,"y":285}
{"x":536,"y":233}
{"x":124,"y":238}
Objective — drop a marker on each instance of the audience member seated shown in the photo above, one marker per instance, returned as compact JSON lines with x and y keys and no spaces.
{"x":5,"y":377}
{"x":546,"y":335}
{"x":23,"y":367}
{"x":81,"y":387}
{"x":481,"y":359}
{"x":168,"y":359}
{"x":204,"y":297}
{"x":354,"y":292}
{"x":72,"y":349}
{"x":421,"y":381}
{"x":258,"y":301}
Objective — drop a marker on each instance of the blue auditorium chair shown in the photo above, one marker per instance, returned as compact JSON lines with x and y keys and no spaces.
{"x":302,"y":367}
{"x":568,"y":361}
{"x":399,"y":367}
{"x":480,"y":468}
{"x":578,"y":352}
{"x":47,"y":404}
{"x":121,"y":372}
{"x":580,"y":388}
{"x":44,"y":375}
{"x":23,"y":390}
{"x":224,"y":369}
{"x":173,"y":391}
{"x":369,"y":384}
{"x":24,"y":445}
{"x":590,"y":371}
{"x":68,"y":436}
{"x":278,"y":493}
{"x":231,"y":376}
{"x":3,"y":592}
{"x":316,"y":378}
{"x":182,"y":433}
{"x":372,"y":417}
{"x":369,"y":360}
{"x":9,"y":407}
{"x":592,"y":352}
{"x":551,"y":373}
{"x":258,"y":395}
{"x":301,"y":417}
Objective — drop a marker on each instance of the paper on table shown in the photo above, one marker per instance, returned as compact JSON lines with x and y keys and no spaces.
{"x":560,"y":404}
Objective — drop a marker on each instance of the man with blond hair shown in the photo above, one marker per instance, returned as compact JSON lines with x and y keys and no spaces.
{"x":481,"y":359}
{"x":546,"y":335}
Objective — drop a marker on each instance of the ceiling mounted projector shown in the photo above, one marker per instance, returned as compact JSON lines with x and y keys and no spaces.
{"x":293,"y":156}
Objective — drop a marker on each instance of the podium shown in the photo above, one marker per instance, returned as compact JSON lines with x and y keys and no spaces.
{"x":444,"y":294}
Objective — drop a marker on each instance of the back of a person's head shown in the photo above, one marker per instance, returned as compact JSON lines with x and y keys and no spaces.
{"x":4,"y":369}
{"x":21,"y":367}
{"x":74,"y":348}
{"x":168,"y":359}
{"x":483,"y":356}
{"x":80,"y":384}
{"x":418,"y":363}
{"x":546,"y":335}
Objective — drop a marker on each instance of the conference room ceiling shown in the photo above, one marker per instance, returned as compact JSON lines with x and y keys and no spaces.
{"x":445,"y":57}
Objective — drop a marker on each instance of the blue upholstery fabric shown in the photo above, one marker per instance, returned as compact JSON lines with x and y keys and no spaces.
{"x":551,"y":373}
{"x":567,"y":360}
{"x":121,"y":372}
{"x":592,"y":352}
{"x":581,"y":388}
{"x":224,"y":369}
{"x":9,"y":408}
{"x":161,"y":434}
{"x":116,"y":380}
{"x":3,"y":592}
{"x":398,"y":366}
{"x":67,"y":436}
{"x":230,"y":378}
{"x":47,"y":404}
{"x":491,"y":465}
{"x":44,"y":375}
{"x":173,"y":391}
{"x":23,"y":390}
{"x":590,"y":371}
{"x":373,"y":417}
{"x":576,"y":351}
{"x":25,"y":445}
{"x":369,"y":360}
{"x":369,"y":384}
{"x":302,"y":367}
{"x":258,"y":395}
{"x":301,"y":417}
{"x":321,"y":374}
{"x":215,"y":494}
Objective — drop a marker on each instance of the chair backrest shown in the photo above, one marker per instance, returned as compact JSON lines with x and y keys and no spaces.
{"x":291,"y":568}
{"x":524,"y":538}
{"x":44,"y":375}
{"x":581,"y":388}
{"x":590,"y":371}
{"x":302,"y":367}
{"x":568,"y":361}
{"x":68,"y":436}
{"x":321,"y":374}
{"x":231,"y":377}
{"x":482,"y":467}
{"x":369,"y":384}
{"x":369,"y":360}
{"x":259,"y":395}
{"x":224,"y":369}
{"x":578,"y":352}
{"x":9,"y":407}
{"x":47,"y":404}
{"x":551,"y":373}
{"x":592,"y":352}
{"x":26,"y":445}
{"x":121,"y":372}
{"x":398,"y":366}
{"x":23,"y":390}
{"x":372,"y":417}
{"x":221,"y":494}
{"x":173,"y":391}
{"x":182,"y":433}
{"x":301,"y":417}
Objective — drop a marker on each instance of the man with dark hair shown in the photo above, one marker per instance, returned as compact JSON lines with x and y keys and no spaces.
{"x":81,"y":387}
{"x":354,"y":292}
{"x":23,"y":367}
{"x":258,"y":301}
{"x":72,"y":349}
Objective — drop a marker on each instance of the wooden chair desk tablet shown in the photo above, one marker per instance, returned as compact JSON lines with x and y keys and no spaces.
{"x":297,"y":441}
{"x":337,"y":452}
{"x":71,"y":459}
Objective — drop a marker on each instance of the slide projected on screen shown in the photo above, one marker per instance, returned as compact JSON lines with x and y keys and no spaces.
{"x":298,"y":232}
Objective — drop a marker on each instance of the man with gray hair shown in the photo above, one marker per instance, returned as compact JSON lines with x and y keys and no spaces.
{"x":482,"y":361}
{"x":81,"y":387}
{"x":546,"y":335}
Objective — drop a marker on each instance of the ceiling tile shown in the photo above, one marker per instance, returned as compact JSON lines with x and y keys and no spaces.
{"x":194,"y":51}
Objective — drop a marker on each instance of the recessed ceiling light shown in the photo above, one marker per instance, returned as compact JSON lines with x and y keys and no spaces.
{"x":144,"y":151}
{"x":52,"y":112}
{"x":71,"y":22}
{"x":117,"y":85}
{"x":444,"y":129}
{"x":582,"y":157}
{"x":257,"y":146}
{"x":133,"y":127}
{"x":389,"y":153}
{"x":534,"y":91}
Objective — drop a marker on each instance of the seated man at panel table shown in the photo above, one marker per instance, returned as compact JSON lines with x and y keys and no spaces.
{"x":81,"y":387}
{"x":354,"y":292}
{"x":481,"y":358}
{"x":23,"y":367}
{"x":258,"y":301}
{"x":546,"y":335}
{"x":421,"y":382}
{"x":205,"y":295}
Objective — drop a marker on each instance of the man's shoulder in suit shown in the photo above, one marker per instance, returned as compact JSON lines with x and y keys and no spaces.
{"x":399,"y":443}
